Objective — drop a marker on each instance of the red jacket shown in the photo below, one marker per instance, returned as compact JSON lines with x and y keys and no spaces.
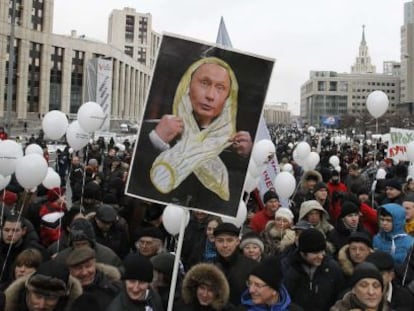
{"x":259,"y":221}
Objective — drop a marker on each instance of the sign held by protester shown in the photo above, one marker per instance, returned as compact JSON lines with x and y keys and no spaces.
{"x":399,"y":139}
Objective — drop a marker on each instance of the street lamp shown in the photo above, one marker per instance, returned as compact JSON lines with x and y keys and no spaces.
{"x":10,"y":69}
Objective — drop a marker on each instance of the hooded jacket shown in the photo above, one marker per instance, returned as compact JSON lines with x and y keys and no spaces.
{"x":304,"y":193}
{"x":396,"y":242}
{"x":281,"y":305}
{"x":204,"y":273}
{"x":276,"y":241}
{"x":16,"y":293}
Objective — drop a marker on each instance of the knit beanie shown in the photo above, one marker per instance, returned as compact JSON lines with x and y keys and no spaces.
{"x":81,"y":229}
{"x":270,"y":194}
{"x":286,"y":213}
{"x":252,"y":238}
{"x":164,"y":263}
{"x":366,"y":270}
{"x":393,"y":183}
{"x":50,"y":279}
{"x":138,"y":267}
{"x":409,"y":198}
{"x":348,"y":207}
{"x":311,"y":241}
{"x":382,"y":260}
{"x":269,"y":271}
{"x":319,"y":186}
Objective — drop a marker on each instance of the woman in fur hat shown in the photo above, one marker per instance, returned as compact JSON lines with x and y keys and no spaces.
{"x":205,"y":288}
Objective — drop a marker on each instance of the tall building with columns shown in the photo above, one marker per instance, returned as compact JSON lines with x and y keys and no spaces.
{"x":50,"y":69}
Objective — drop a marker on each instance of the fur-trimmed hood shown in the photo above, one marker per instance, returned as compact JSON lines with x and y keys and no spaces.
{"x":14,"y":293}
{"x":345,"y":262}
{"x":205,"y":273}
{"x":310,"y":173}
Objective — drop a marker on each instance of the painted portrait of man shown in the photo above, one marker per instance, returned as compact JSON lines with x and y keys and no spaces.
{"x":193,"y":148}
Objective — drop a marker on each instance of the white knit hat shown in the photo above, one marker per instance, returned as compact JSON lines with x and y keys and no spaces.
{"x":285,"y":213}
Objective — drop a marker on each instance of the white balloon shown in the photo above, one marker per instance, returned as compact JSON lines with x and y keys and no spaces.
{"x":33,"y":148}
{"x":10,"y":152}
{"x":334,"y":161}
{"x":312,"y":160}
{"x":31,"y":170}
{"x":240,"y":218}
{"x":76,"y":136}
{"x":311,"y":130}
{"x":263,"y":151}
{"x":285,"y":184}
{"x":171,"y":218}
{"x":70,"y":150}
{"x":52,"y":179}
{"x":4,"y":181}
{"x":299,"y":160}
{"x":120,"y":146}
{"x":303,"y":149}
{"x":254,"y":169}
{"x":251,"y":182}
{"x":55,"y":124}
{"x":287,"y":168}
{"x":338,"y":169}
{"x":377,"y":103}
{"x":410,"y":151}
{"x":91,"y":116}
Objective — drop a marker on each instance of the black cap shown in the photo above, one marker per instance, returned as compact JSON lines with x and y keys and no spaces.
{"x":311,"y":241}
{"x":226,"y":228}
{"x":152,"y":232}
{"x":269,"y":270}
{"x":361,"y":237}
{"x":270,"y":194}
{"x":382,"y":260}
{"x":366,"y":270}
{"x":138,"y":267}
{"x":106,"y":213}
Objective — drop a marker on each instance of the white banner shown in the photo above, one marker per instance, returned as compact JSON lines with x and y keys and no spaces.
{"x":104,"y":89}
{"x":399,"y":139}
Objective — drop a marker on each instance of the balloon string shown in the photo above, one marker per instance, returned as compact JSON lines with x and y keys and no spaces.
{"x":2,"y":208}
{"x":12,"y":242}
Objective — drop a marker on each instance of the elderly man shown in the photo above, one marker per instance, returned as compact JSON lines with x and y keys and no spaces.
{"x":50,"y":288}
{"x":187,"y":152}
{"x":99,"y":280}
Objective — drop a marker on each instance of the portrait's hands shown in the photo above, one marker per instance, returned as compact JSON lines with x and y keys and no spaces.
{"x":242,"y":143}
{"x":169,"y":128}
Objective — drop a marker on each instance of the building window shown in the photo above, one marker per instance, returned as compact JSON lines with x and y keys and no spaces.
{"x":37,"y":15}
{"x":33,"y":81}
{"x":76,"y":81}
{"x":142,"y":55}
{"x":142,"y":31}
{"x":18,"y":12}
{"x":129,"y":28}
{"x":55,"y":90}
{"x":14,"y":81}
{"x":129,"y":50}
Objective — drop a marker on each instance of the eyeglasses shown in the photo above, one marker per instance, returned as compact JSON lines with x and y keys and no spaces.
{"x":255,"y":285}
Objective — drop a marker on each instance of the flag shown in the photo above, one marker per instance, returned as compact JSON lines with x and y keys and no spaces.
{"x":223,"y":37}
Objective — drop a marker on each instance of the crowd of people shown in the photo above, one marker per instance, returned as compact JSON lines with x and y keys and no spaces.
{"x":344,"y":241}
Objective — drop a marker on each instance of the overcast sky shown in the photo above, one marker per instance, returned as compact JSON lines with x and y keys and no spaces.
{"x":301,"y":35}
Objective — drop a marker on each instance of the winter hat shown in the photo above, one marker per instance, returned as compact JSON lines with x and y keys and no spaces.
{"x":382,"y":260}
{"x":9,"y":198}
{"x":302,"y":225}
{"x":363,"y":190}
{"x":285,"y":213}
{"x":393,"y":183}
{"x":151,"y":232}
{"x":269,"y":270}
{"x":106,"y":213}
{"x":138,"y":267}
{"x":80,"y":255}
{"x":226,"y":228}
{"x":270,"y":194}
{"x":252,"y":238}
{"x":311,"y":241}
{"x":366,"y":270}
{"x":50,"y":279}
{"x":81,"y":229}
{"x":163,"y":263}
{"x":348,"y":207}
{"x":361,"y":237}
{"x":319,"y":186}
{"x":153,"y":212}
{"x":409,"y":198}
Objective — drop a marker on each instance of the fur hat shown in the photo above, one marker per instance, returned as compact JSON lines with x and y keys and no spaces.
{"x":210,"y":275}
{"x":50,"y":279}
{"x":138,"y":267}
{"x":366,"y":270}
{"x":269,"y":271}
{"x":226,"y":228}
{"x":252,"y":238}
{"x":348,"y":207}
{"x":311,"y":241}
{"x":270,"y":194}
{"x":285,"y":213}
